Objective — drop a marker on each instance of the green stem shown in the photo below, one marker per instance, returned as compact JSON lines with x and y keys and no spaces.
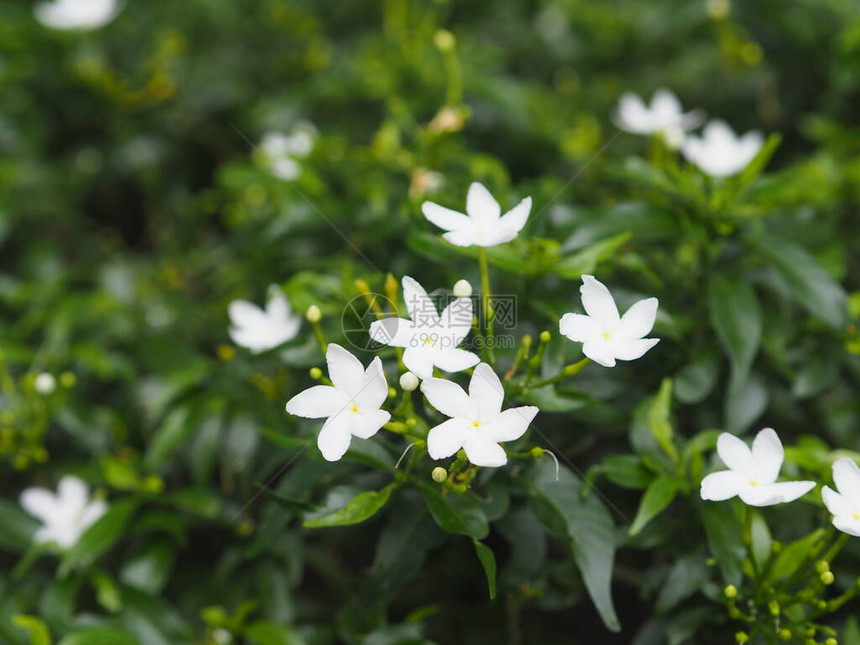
{"x":486,"y":306}
{"x":318,"y":333}
{"x":568,"y":370}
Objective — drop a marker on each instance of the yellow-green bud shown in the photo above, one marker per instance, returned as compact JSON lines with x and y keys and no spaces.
{"x":773,"y":608}
{"x":526,"y":341}
{"x":439,"y":474}
{"x":784,"y":634}
{"x":411,"y":422}
{"x":545,"y":336}
{"x":316,"y":373}
{"x":822,"y":565}
{"x":313,"y":314}
{"x":444,"y":40}
{"x":821,"y":604}
{"x":537,"y":452}
{"x":68,"y":379}
{"x":827,"y":577}
{"x":741,"y":637}
{"x":831,"y":641}
{"x":730,"y":592}
{"x":408,"y":381}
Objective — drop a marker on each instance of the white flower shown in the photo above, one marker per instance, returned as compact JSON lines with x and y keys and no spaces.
{"x":45,"y":383}
{"x":844,"y":505}
{"x":484,"y":225}
{"x":64,"y":515}
{"x":606,"y":336}
{"x":430,"y":339}
{"x":477,"y":423}
{"x":259,"y":330}
{"x":76,"y":14}
{"x":351,"y":404}
{"x":281,"y":151}
{"x":665,"y":116}
{"x":721,"y":153}
{"x":752,"y":473}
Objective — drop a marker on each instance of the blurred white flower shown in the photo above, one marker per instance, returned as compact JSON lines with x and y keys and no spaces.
{"x":76,"y":14}
{"x":351,"y":403}
{"x":665,"y":117}
{"x":281,"y":152}
{"x":752,"y":473}
{"x":259,"y":330}
{"x":428,"y":338}
{"x":606,"y":336}
{"x":45,"y":383}
{"x":720,"y":152}
{"x":484,"y":225}
{"x":845,"y":504}
{"x":66,"y":514}
{"x":477,"y":423}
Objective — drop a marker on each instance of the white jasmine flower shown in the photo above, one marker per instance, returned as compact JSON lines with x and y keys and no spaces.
{"x":720,"y":152}
{"x":259,"y":330}
{"x":462,"y":289}
{"x":665,"y":116}
{"x":64,"y":515}
{"x":477,"y":423}
{"x":76,"y":14}
{"x":428,"y":338}
{"x":484,"y":225}
{"x":45,"y":383}
{"x":752,"y":473}
{"x":282,"y":151}
{"x":606,"y":336}
{"x":844,"y":505}
{"x":351,"y":404}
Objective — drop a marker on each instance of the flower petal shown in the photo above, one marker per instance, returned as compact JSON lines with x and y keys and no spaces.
{"x":486,"y":392}
{"x":598,"y":302}
{"x":365,"y":424}
{"x":482,"y":451}
{"x":735,"y":454}
{"x":278,"y":306}
{"x":419,"y":361}
{"x":770,"y":494}
{"x":447,"y":397}
{"x":394,"y":332}
{"x":447,"y":438}
{"x":630,"y":350}
{"x":421,"y":308}
{"x":600,"y":352}
{"x":639,"y":319}
{"x":510,"y":424}
{"x":515,"y":219}
{"x":316,"y":402}
{"x":72,"y":495}
{"x":334,"y":438}
{"x":375,"y":389}
{"x":721,"y":485}
{"x":39,"y":502}
{"x":578,"y":328}
{"x":846,"y":474}
{"x":445,"y":218}
{"x":837,"y":504}
{"x":92,"y":513}
{"x":847,"y":525}
{"x":767,"y":456}
{"x":454,"y":359}
{"x":481,"y":206}
{"x":461,"y":238}
{"x":345,"y":370}
{"x":244,"y":314}
{"x":457,"y":319}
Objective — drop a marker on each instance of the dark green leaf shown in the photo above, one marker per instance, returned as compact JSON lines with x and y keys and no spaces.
{"x":736,"y":317}
{"x":658,"y":496}
{"x":488,"y":561}
{"x":455,"y":513}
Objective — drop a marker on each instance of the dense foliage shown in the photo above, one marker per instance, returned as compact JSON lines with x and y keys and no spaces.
{"x":136,"y":205}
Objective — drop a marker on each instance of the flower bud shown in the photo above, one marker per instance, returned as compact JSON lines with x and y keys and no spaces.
{"x":444,"y":40}
{"x":316,"y":373}
{"x":741,"y":637}
{"x":730,"y":592}
{"x":408,"y":381}
{"x":827,"y":577}
{"x":313,"y":314}
{"x":537,"y":452}
{"x":773,"y":608}
{"x":462,"y":289}
{"x":392,"y":393}
{"x":545,"y":336}
{"x":831,"y":641}
{"x":439,"y":474}
{"x":822,"y":565}
{"x":411,"y":422}
{"x":784,"y":634}
{"x":45,"y":383}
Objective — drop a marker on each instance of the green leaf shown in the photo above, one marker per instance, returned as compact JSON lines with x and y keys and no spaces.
{"x":808,"y":283}
{"x":263,"y":632}
{"x":100,"y":537}
{"x":488,"y":561}
{"x":627,"y":471}
{"x":584,"y":523}
{"x":440,"y":250}
{"x":736,"y":317}
{"x":588,"y":259}
{"x":744,"y":404}
{"x":16,"y":527}
{"x":761,"y":540}
{"x":38,"y":631}
{"x":550,"y":399}
{"x":98,"y":636}
{"x":793,"y":555}
{"x":659,"y":419}
{"x":657,"y":497}
{"x":696,"y":380}
{"x":455,"y":513}
{"x":725,"y":537}
{"x":360,"y":508}
{"x":757,"y":165}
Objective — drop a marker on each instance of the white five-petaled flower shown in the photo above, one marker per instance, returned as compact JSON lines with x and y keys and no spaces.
{"x":351,"y":404}
{"x":477,"y":423}
{"x":484,"y":225}
{"x":66,"y":514}
{"x":260,"y":330}
{"x":280,"y":151}
{"x":752,"y":473}
{"x":665,"y":116}
{"x":428,"y":338}
{"x":720,"y":152}
{"x":606,"y":336}
{"x":76,"y":14}
{"x":845,"y":504}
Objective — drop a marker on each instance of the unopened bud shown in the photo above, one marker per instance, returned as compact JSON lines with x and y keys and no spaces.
{"x":411,"y":422}
{"x":444,"y":40}
{"x":439,"y":474}
{"x":392,"y":393}
{"x":545,"y":336}
{"x":784,"y":634}
{"x":316,"y":373}
{"x":408,"y":381}
{"x":45,"y":383}
{"x":730,"y":592}
{"x":741,"y":637}
{"x":537,"y":452}
{"x":462,"y":289}
{"x":313,"y":314}
{"x":831,"y":641}
{"x":773,"y":608}
{"x":827,"y":577}
{"x":822,"y":565}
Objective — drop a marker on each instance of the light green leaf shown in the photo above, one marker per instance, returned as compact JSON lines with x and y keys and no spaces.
{"x":98,"y":636}
{"x":488,"y":561}
{"x":657,"y":497}
{"x":38,"y":631}
{"x":725,"y":537}
{"x":588,"y":259}
{"x":793,"y":555}
{"x":264,"y":632}
{"x":660,"y":422}
{"x":360,"y":508}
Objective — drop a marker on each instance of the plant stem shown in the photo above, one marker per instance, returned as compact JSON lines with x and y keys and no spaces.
{"x":486,"y":306}
{"x":568,"y":370}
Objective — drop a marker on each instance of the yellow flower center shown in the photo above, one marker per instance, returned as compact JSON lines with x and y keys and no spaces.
{"x":607,"y":335}
{"x":476,"y":424}
{"x":354,"y":408}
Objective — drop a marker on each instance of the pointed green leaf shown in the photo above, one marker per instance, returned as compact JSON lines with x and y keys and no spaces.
{"x":488,"y":561}
{"x":360,"y":508}
{"x":657,"y":497}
